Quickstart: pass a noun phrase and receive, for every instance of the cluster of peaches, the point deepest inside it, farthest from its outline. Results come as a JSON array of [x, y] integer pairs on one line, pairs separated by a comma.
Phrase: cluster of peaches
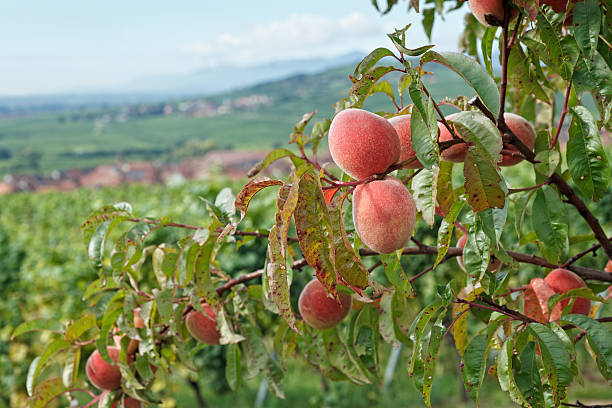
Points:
[[491, 12], [363, 144]]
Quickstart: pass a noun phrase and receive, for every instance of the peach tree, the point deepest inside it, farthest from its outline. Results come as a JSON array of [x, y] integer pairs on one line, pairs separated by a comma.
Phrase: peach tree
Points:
[[350, 223]]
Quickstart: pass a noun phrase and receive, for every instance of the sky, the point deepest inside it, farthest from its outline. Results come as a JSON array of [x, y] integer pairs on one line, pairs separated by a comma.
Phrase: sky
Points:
[[79, 46]]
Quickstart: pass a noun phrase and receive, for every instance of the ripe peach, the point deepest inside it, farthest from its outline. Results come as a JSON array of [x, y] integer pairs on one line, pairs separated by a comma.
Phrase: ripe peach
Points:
[[490, 12], [562, 280], [203, 327], [559, 6], [362, 143], [402, 127], [536, 297], [526, 134], [319, 310], [128, 402], [455, 153], [133, 344], [494, 263], [102, 374], [383, 214]]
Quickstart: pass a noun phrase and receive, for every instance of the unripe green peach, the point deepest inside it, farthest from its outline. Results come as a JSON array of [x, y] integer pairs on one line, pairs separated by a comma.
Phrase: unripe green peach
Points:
[[384, 214], [526, 134], [362, 143], [318, 309], [203, 327], [102, 374], [490, 12], [561, 280], [402, 127]]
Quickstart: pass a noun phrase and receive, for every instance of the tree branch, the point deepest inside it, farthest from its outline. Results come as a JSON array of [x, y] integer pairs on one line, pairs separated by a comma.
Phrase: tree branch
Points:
[[563, 113], [583, 272]]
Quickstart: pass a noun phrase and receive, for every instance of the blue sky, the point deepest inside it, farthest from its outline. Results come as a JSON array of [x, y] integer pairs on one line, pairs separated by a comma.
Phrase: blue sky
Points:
[[76, 45]]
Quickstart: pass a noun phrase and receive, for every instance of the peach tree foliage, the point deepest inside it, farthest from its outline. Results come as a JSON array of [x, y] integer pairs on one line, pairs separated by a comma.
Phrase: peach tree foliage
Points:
[[534, 362]]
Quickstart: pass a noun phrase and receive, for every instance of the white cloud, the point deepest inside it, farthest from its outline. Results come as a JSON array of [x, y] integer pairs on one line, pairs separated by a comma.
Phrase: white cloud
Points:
[[304, 35]]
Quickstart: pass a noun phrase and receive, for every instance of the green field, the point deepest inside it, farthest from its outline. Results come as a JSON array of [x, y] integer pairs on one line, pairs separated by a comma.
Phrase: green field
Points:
[[40, 144]]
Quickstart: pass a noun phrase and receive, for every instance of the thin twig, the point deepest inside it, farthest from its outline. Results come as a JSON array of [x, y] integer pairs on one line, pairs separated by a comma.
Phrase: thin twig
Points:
[[563, 113], [579, 255]]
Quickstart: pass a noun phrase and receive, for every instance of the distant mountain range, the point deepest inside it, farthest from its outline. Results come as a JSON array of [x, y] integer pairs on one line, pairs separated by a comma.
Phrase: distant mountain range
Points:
[[204, 82]]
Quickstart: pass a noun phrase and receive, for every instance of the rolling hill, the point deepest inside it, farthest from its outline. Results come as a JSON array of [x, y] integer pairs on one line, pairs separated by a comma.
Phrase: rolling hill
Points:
[[260, 116]]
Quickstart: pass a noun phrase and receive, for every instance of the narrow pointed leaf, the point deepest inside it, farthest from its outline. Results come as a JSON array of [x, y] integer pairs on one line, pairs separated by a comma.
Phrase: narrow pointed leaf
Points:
[[472, 72]]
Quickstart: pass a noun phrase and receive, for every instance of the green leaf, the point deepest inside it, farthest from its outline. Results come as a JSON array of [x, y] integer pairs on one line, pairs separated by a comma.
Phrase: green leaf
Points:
[[163, 302], [76, 329], [396, 275], [472, 72], [273, 156], [528, 378], [600, 73], [480, 132], [483, 184], [250, 189], [46, 391], [37, 325], [549, 220], [70, 375], [362, 87], [424, 185], [522, 76], [561, 51], [417, 329], [586, 158], [476, 252], [384, 87], [600, 340], [274, 377], [298, 129], [348, 264], [424, 130], [314, 230], [493, 221], [474, 364], [587, 22], [431, 357], [370, 60], [340, 358], [505, 372], [445, 232], [233, 366], [225, 202], [486, 46], [101, 215], [556, 359], [39, 363]]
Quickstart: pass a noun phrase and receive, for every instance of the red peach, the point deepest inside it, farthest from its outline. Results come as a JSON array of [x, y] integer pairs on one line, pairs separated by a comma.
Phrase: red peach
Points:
[[402, 126], [362, 143], [128, 402], [383, 214], [102, 374], [456, 153], [318, 309], [490, 12], [536, 297], [526, 134], [562, 280], [203, 327]]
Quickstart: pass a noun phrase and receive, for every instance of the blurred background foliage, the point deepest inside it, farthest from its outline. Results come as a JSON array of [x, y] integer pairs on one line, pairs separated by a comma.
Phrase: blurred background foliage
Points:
[[44, 271]]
